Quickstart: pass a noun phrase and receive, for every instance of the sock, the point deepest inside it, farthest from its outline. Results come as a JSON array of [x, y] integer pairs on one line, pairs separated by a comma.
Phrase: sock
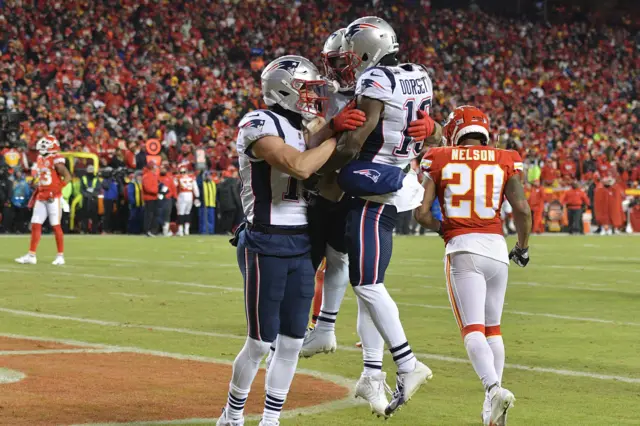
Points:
[[165, 228], [326, 321], [481, 357], [385, 316], [497, 348], [317, 297], [187, 225], [280, 375], [181, 229], [245, 367], [57, 230], [336, 280], [372, 341], [36, 232]]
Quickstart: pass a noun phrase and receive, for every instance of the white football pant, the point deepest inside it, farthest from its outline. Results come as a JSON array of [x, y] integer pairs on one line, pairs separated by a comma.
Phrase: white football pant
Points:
[[184, 204], [45, 209]]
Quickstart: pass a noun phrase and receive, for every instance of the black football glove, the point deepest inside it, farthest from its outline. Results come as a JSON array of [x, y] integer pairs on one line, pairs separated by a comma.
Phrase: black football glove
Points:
[[311, 184], [520, 256]]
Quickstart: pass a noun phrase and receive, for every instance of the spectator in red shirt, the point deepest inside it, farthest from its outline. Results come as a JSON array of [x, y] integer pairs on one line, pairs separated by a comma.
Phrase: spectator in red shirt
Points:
[[167, 180], [575, 200], [150, 187]]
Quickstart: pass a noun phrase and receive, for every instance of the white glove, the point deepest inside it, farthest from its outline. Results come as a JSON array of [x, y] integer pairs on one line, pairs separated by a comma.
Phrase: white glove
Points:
[[196, 202]]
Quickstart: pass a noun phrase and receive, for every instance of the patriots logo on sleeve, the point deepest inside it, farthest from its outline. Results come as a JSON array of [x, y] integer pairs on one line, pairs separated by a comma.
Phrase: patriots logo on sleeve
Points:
[[287, 65], [256, 123], [367, 82], [356, 28], [372, 174]]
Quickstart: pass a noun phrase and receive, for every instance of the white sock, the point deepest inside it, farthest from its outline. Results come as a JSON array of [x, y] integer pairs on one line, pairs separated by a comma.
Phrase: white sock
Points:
[[385, 316], [497, 348], [372, 341], [280, 375], [481, 358], [245, 367], [181, 229], [186, 228], [165, 228], [336, 280]]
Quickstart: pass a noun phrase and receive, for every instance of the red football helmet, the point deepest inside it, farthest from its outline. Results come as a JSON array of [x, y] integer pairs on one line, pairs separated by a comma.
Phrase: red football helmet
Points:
[[464, 120], [48, 145]]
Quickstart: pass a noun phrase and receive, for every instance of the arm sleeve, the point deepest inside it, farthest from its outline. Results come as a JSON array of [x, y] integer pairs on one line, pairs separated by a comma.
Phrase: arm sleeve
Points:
[[376, 83], [196, 189], [254, 126]]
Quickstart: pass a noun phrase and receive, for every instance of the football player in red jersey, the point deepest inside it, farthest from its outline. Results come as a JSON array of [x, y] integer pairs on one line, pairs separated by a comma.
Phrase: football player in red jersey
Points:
[[188, 194], [51, 176], [471, 180]]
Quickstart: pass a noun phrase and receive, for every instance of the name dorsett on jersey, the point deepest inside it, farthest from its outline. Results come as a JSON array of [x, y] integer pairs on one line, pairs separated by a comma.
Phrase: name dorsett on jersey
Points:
[[404, 89], [269, 197]]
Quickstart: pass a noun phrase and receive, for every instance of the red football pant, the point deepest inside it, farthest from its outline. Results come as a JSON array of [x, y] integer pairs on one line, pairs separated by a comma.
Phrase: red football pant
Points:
[[36, 232], [57, 231]]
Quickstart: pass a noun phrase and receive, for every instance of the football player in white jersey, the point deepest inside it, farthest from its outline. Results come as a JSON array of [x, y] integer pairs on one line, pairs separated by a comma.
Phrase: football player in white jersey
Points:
[[188, 194], [391, 95], [273, 247]]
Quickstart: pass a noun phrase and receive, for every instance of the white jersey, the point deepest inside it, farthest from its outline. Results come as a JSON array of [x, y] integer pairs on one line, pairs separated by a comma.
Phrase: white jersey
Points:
[[337, 101], [269, 197], [404, 89]]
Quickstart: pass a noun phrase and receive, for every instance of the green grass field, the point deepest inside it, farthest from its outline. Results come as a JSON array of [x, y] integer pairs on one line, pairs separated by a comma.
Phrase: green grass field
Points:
[[571, 323]]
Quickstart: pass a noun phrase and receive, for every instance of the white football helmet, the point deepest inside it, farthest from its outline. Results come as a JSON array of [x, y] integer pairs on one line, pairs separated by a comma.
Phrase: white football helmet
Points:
[[48, 145], [294, 83], [366, 41], [334, 60]]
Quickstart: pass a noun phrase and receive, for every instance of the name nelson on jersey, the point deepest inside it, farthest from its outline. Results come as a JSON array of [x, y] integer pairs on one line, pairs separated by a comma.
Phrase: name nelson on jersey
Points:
[[472, 154], [414, 86]]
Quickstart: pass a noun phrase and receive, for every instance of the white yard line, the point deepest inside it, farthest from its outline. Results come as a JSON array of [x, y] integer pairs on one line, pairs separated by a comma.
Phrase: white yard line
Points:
[[560, 372], [534, 314], [60, 296], [197, 293], [122, 278], [60, 351], [343, 403], [174, 262], [129, 295], [600, 287]]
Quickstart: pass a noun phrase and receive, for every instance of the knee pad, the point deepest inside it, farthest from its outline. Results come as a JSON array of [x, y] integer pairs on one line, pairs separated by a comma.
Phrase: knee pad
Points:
[[288, 348], [256, 349]]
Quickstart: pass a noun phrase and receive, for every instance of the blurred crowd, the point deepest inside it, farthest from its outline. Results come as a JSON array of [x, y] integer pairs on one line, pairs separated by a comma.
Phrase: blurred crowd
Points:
[[106, 76]]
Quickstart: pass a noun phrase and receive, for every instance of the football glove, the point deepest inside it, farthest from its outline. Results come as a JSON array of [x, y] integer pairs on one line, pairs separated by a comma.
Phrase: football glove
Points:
[[196, 203], [348, 119], [311, 183], [520, 256], [421, 128]]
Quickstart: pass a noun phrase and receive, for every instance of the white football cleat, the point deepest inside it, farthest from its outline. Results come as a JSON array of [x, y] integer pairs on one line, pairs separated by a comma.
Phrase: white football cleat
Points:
[[486, 410], [407, 384], [27, 259], [59, 260], [269, 423], [224, 420], [501, 401], [316, 342], [374, 389], [180, 233]]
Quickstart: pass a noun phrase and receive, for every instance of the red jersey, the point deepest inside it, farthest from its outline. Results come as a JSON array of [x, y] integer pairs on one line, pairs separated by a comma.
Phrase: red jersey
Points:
[[49, 182], [186, 183], [470, 182]]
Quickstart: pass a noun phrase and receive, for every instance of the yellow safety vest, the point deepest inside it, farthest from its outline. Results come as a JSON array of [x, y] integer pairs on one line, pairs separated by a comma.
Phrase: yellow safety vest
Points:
[[209, 189], [138, 192]]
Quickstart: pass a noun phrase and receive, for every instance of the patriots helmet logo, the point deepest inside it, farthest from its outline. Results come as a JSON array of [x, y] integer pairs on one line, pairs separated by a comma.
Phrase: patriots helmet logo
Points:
[[356, 28], [256, 123], [367, 82], [372, 174], [288, 65]]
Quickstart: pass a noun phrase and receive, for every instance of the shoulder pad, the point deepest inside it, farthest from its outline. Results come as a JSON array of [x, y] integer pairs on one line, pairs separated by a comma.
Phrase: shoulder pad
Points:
[[376, 83], [256, 125]]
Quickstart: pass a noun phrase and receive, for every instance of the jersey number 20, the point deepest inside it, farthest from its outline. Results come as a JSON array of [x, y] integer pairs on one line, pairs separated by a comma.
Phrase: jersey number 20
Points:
[[486, 192]]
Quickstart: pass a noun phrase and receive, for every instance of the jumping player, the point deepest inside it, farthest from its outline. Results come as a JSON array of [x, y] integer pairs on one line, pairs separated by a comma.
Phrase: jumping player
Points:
[[273, 246], [470, 179], [390, 94], [188, 194], [51, 176]]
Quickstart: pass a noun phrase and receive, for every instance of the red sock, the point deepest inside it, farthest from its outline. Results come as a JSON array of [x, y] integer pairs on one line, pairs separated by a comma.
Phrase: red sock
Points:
[[57, 230], [36, 231]]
